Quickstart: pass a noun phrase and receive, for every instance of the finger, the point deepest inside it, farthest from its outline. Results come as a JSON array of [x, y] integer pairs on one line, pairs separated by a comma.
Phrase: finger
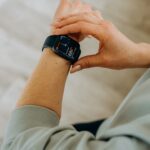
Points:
[[98, 14], [70, 15], [77, 3], [82, 27], [76, 7], [64, 2], [81, 9], [67, 16], [86, 62], [88, 17], [86, 8], [63, 5]]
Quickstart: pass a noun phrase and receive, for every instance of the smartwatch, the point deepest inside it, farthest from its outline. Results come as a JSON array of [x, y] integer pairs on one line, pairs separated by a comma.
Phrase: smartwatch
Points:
[[63, 46]]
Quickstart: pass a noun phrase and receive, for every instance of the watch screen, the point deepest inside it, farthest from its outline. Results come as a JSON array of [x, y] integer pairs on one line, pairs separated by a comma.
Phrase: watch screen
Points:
[[66, 46], [62, 44]]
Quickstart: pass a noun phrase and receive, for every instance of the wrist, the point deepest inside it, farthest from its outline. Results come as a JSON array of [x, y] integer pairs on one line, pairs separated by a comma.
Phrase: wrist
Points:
[[50, 55], [144, 54], [140, 56], [75, 37], [63, 46], [46, 85]]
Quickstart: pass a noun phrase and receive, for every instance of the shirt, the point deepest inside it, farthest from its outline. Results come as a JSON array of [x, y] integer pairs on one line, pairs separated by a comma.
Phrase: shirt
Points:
[[37, 128]]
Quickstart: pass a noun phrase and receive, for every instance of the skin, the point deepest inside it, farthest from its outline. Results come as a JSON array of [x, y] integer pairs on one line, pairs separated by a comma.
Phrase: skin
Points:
[[116, 51], [46, 85], [67, 7]]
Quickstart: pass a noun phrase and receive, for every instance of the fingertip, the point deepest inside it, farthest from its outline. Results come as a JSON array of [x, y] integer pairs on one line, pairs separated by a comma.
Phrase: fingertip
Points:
[[71, 71], [75, 69], [63, 17], [60, 18]]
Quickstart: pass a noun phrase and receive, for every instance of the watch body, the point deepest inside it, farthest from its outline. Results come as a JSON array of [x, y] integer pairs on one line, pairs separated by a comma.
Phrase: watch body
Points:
[[64, 46]]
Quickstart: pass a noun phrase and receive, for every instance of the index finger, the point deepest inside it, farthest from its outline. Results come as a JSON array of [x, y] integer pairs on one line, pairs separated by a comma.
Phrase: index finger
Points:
[[82, 27]]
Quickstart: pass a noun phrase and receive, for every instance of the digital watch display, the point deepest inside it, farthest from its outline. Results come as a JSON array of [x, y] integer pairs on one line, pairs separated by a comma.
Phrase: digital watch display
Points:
[[64, 46]]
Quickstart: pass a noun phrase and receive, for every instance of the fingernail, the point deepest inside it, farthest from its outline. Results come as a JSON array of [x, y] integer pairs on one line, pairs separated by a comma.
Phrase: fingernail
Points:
[[75, 69], [89, 36]]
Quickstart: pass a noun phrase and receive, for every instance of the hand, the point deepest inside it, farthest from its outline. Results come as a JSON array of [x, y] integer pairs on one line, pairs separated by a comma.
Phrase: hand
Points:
[[66, 7], [115, 51]]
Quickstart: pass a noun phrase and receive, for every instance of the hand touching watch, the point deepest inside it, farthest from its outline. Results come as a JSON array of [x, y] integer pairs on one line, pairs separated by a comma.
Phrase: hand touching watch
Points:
[[68, 7], [116, 51], [67, 46]]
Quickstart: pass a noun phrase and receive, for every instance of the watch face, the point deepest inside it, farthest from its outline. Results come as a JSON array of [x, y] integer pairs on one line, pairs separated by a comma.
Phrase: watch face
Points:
[[66, 46]]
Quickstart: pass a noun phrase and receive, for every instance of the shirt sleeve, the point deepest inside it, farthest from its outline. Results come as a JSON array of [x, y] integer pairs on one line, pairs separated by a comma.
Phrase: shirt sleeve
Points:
[[37, 128]]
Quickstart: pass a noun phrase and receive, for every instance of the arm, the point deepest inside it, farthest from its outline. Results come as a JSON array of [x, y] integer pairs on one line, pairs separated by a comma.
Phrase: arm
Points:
[[46, 85], [32, 127]]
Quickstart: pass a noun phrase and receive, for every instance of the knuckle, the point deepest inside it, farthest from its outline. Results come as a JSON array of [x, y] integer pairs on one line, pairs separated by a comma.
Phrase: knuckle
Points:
[[87, 14], [107, 24], [86, 64], [108, 29]]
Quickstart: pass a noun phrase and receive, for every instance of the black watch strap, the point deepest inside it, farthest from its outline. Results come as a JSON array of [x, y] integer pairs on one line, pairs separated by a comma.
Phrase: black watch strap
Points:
[[49, 42], [64, 46]]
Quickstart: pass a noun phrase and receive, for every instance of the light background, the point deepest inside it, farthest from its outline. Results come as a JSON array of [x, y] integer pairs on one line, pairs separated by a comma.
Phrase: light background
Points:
[[89, 95]]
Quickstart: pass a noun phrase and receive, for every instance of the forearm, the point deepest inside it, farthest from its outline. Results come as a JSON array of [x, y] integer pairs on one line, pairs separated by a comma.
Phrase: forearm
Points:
[[46, 85]]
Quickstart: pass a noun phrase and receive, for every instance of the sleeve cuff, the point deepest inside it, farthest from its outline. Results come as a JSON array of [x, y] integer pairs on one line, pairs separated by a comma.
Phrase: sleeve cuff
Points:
[[28, 117]]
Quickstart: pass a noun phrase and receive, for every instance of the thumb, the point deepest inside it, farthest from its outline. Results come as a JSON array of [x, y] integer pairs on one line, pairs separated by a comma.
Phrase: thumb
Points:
[[86, 62]]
